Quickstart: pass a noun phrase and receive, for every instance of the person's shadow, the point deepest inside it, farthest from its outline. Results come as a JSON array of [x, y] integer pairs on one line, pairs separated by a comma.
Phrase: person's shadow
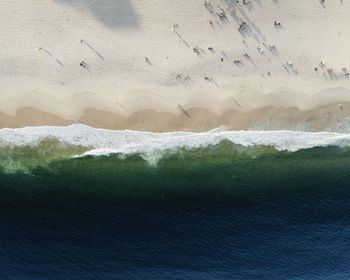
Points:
[[112, 13]]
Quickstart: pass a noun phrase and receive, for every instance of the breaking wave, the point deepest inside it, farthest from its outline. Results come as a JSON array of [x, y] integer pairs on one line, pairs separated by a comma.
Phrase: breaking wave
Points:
[[84, 163], [88, 141]]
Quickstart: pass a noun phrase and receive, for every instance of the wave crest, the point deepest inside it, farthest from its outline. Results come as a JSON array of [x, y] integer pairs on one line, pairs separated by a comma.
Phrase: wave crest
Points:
[[102, 142]]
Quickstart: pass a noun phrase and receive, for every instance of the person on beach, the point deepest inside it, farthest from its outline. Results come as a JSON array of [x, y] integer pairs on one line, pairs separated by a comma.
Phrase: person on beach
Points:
[[222, 16], [175, 26], [277, 24], [242, 27], [196, 50], [83, 64]]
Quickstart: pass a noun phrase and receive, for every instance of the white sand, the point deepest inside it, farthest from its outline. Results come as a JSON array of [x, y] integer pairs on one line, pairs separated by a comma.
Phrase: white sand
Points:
[[118, 34]]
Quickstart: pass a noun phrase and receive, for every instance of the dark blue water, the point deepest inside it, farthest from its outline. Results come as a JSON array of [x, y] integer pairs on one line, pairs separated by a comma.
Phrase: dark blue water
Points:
[[296, 238], [276, 216]]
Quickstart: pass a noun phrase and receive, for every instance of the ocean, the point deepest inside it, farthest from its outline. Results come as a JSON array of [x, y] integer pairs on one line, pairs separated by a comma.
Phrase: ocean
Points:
[[84, 203]]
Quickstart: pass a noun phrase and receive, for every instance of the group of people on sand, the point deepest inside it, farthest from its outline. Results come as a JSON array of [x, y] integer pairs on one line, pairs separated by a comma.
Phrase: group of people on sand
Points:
[[243, 27]]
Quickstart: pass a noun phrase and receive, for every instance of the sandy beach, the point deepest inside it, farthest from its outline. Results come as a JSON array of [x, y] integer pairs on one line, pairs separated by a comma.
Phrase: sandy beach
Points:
[[176, 65]]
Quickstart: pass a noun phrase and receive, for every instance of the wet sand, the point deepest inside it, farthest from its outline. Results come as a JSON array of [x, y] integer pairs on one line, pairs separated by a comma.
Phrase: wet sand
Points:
[[324, 118]]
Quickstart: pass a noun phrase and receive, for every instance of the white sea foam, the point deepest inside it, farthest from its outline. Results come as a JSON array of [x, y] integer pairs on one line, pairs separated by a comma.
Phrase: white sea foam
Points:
[[105, 142]]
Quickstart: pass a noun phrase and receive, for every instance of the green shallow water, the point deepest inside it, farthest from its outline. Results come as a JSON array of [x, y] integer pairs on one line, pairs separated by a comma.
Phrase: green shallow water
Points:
[[50, 171]]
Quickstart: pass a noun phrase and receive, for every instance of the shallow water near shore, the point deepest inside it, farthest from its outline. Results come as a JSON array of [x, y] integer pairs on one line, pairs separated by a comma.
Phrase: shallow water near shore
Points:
[[219, 210]]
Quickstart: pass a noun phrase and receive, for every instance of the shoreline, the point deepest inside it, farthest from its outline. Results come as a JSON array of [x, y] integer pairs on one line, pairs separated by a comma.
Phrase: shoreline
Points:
[[194, 119]]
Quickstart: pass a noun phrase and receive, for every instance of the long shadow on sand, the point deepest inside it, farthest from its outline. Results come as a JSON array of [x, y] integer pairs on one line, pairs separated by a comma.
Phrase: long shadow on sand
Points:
[[112, 13]]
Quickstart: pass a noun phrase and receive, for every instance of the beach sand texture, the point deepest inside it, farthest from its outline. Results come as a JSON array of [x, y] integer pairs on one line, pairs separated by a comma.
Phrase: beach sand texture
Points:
[[162, 65]]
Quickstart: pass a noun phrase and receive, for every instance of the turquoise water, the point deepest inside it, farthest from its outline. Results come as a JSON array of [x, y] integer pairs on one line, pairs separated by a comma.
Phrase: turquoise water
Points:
[[222, 210]]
